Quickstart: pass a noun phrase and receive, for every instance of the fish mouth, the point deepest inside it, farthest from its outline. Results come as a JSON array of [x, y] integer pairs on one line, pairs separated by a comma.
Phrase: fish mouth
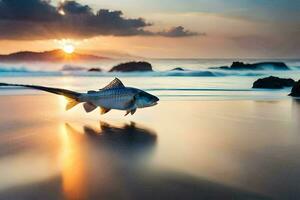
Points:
[[154, 103], [150, 105]]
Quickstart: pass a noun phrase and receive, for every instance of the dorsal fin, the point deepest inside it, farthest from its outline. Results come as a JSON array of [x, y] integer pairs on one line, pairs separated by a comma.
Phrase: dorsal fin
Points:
[[116, 83]]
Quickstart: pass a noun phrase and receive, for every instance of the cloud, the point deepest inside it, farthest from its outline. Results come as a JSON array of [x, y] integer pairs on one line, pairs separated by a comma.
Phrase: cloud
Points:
[[29, 10], [38, 19], [72, 7], [178, 31]]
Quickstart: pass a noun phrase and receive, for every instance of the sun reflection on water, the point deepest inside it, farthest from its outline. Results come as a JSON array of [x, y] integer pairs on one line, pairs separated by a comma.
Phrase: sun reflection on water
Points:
[[73, 173]]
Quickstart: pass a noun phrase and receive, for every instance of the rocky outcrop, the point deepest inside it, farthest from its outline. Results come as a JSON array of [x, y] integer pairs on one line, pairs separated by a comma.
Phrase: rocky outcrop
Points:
[[132, 67], [255, 66], [95, 70], [295, 90], [273, 82], [178, 69]]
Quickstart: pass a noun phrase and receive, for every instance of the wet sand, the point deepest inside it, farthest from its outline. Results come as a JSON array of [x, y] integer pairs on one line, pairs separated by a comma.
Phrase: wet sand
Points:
[[176, 150]]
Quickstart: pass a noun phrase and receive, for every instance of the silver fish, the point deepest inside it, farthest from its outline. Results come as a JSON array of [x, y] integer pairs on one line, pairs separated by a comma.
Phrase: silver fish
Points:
[[113, 96]]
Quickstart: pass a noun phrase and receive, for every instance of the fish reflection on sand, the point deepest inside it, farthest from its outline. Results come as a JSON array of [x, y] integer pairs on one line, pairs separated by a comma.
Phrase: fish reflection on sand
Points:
[[127, 137], [93, 157]]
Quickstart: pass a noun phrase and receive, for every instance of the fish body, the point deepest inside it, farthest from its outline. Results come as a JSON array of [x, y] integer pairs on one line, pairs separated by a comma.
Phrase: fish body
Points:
[[114, 96]]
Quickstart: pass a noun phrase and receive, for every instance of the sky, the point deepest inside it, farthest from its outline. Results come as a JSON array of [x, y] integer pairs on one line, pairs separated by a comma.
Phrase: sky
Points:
[[154, 29]]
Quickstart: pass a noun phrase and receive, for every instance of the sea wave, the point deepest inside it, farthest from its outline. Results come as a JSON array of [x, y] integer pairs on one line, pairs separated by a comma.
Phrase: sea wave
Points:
[[198, 73], [191, 73], [13, 69], [22, 71]]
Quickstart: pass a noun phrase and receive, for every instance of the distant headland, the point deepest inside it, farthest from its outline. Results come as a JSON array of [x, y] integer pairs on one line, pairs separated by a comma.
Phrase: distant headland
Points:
[[56, 55]]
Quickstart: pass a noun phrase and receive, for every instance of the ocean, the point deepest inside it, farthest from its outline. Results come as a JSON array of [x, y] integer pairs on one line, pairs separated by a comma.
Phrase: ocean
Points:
[[197, 82]]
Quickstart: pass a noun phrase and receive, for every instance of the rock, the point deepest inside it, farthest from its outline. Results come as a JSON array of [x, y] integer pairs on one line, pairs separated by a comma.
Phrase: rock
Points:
[[132, 67], [222, 67], [95, 70], [178, 69], [273, 82], [295, 90], [255, 66]]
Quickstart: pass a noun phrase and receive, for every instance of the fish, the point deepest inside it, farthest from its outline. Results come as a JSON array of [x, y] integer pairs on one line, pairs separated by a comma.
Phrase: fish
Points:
[[114, 96]]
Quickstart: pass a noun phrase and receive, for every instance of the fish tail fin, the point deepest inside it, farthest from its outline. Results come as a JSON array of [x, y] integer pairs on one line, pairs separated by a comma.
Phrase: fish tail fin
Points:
[[71, 103], [67, 93]]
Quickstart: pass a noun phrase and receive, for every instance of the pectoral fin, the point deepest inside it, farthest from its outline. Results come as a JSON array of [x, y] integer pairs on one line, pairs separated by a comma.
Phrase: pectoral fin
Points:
[[133, 111], [104, 110], [130, 111], [129, 104], [127, 112], [89, 107]]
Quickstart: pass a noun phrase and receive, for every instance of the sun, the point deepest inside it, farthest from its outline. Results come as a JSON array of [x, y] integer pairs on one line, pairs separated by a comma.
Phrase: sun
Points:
[[68, 48]]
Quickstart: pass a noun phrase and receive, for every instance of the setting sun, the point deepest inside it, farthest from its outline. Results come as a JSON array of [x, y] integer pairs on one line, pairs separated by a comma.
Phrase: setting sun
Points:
[[68, 48]]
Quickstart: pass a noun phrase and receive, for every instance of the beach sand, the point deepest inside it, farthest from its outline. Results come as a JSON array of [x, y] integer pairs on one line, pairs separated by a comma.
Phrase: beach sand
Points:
[[176, 150]]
